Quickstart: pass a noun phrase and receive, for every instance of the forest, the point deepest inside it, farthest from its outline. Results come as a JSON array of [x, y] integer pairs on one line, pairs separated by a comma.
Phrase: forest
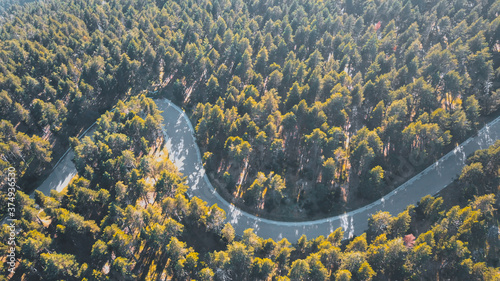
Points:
[[302, 109], [126, 216]]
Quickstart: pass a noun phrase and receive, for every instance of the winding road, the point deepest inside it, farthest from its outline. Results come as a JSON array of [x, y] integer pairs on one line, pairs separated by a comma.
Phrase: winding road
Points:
[[185, 154]]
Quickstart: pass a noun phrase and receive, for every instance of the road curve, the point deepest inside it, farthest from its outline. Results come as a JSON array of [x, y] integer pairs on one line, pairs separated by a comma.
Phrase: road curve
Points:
[[185, 154]]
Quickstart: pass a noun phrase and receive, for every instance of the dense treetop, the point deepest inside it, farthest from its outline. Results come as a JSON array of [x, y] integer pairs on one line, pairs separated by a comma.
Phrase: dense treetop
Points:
[[298, 105], [125, 216], [333, 91]]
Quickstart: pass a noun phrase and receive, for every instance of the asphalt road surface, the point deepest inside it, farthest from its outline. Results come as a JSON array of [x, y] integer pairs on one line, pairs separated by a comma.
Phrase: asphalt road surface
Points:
[[185, 154], [64, 170]]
